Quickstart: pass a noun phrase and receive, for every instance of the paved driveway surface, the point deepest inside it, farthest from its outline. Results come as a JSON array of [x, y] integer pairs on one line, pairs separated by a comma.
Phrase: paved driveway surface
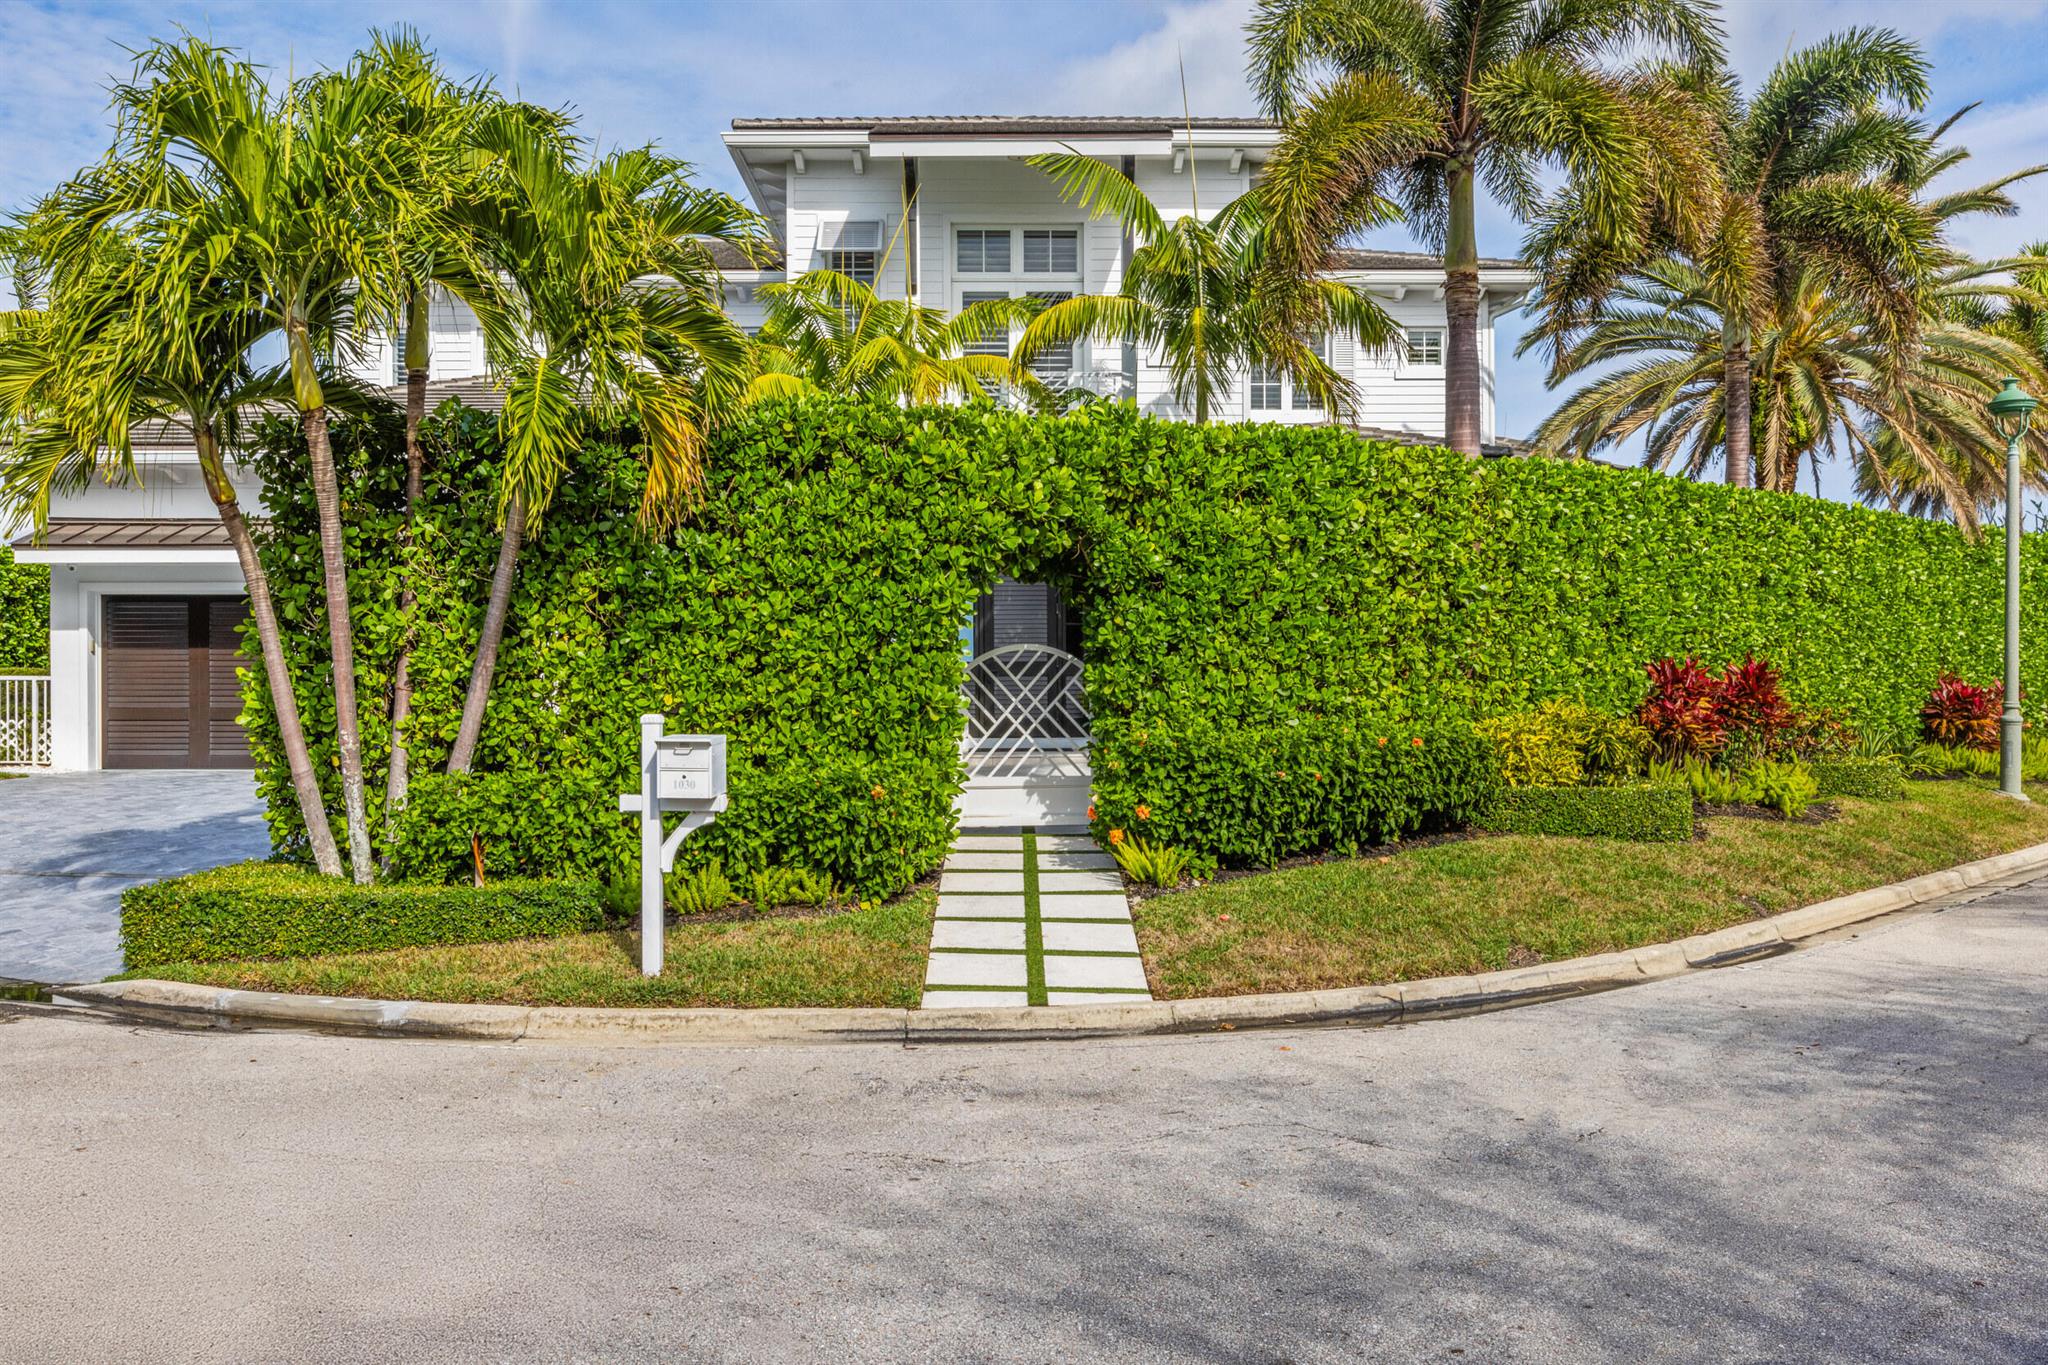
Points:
[[1840, 1155], [70, 843]]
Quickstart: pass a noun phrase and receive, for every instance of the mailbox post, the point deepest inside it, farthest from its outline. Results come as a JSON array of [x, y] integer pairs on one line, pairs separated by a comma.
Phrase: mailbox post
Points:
[[683, 773]]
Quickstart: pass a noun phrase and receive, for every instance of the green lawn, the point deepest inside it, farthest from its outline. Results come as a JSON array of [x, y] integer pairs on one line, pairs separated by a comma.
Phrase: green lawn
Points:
[[1466, 906], [1448, 909], [860, 957]]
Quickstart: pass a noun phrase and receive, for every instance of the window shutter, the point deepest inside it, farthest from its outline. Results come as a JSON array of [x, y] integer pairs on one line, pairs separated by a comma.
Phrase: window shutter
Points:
[[1053, 366], [1052, 251], [996, 341], [861, 234]]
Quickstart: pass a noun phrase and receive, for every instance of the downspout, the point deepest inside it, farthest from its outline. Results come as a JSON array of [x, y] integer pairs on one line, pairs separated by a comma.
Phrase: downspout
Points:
[[1129, 357], [911, 230]]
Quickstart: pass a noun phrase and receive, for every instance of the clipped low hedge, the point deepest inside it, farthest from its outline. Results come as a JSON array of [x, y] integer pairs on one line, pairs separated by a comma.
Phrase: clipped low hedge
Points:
[[1252, 797], [1878, 779], [1644, 813], [259, 909]]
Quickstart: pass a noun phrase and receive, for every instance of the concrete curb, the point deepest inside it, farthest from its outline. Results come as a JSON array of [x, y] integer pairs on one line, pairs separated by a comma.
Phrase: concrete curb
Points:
[[179, 1004]]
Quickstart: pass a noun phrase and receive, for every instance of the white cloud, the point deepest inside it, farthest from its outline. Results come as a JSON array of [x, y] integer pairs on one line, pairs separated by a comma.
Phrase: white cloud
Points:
[[1761, 32], [1143, 75]]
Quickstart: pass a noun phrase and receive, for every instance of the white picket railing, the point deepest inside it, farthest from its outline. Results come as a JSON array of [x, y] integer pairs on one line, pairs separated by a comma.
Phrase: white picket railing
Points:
[[24, 720]]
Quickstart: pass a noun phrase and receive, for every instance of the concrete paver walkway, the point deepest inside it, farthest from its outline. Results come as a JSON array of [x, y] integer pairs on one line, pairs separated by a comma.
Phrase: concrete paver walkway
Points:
[[71, 843], [1032, 919]]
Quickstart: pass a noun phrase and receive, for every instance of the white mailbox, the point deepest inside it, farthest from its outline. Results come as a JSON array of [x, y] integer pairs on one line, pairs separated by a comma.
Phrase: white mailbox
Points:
[[689, 771], [678, 773]]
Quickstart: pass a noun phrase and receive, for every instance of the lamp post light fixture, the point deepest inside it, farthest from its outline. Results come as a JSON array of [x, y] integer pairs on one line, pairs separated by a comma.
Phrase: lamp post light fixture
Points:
[[2012, 412]]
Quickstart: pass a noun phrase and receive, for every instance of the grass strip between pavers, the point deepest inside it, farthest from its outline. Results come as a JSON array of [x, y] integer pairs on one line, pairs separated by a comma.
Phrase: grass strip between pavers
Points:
[[1034, 936]]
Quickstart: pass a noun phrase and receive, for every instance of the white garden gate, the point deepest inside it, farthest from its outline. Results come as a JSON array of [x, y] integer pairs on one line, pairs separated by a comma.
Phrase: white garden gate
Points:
[[1026, 740]]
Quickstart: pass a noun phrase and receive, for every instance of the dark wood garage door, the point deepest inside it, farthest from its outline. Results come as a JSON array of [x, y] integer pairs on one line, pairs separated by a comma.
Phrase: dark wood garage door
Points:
[[169, 683]]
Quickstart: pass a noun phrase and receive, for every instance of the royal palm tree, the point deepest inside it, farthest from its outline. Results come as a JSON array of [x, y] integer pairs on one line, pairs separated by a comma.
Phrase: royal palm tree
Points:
[[1192, 294], [111, 351], [300, 201], [1427, 99], [1809, 181], [601, 306], [828, 332]]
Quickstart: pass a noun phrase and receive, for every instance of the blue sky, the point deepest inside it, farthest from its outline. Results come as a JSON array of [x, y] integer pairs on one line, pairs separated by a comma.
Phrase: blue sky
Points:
[[676, 73]]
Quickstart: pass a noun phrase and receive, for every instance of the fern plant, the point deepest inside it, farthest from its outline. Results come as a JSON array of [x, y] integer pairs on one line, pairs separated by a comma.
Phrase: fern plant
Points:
[[773, 886], [701, 891], [1785, 787], [1150, 864]]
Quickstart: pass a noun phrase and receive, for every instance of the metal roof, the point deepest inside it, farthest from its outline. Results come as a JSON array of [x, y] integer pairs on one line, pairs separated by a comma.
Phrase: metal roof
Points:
[[141, 533], [1000, 125], [1355, 258]]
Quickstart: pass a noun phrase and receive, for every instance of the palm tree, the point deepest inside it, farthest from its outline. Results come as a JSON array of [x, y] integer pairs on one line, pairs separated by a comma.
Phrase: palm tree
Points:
[[1829, 363], [601, 306], [113, 350], [828, 332], [436, 140], [1192, 293], [1428, 98], [301, 203], [1808, 181], [1828, 381]]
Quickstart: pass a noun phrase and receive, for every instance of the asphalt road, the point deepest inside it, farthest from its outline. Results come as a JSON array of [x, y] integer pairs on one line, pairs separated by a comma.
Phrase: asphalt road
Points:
[[1840, 1155]]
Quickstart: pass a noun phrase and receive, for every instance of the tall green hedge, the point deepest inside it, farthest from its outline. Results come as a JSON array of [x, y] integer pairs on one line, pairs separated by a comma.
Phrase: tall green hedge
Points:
[[24, 616], [1267, 596]]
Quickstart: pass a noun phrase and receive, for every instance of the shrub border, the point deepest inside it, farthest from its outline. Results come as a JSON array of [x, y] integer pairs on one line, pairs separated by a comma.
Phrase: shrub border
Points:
[[183, 1005]]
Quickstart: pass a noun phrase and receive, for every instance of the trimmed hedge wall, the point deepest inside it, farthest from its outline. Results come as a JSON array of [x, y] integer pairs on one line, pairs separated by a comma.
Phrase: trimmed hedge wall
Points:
[[269, 910], [1647, 813], [1878, 779], [1258, 600], [24, 616]]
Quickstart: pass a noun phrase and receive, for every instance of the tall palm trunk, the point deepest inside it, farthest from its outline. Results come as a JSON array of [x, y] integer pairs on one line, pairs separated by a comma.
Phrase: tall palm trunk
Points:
[[334, 560], [493, 632], [1463, 393], [399, 778], [283, 699], [1735, 371]]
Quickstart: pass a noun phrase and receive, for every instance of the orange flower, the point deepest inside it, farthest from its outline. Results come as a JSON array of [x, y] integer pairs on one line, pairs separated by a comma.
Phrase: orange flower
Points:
[[1143, 812], [1116, 836], [877, 793], [1417, 741], [1091, 810], [1383, 741]]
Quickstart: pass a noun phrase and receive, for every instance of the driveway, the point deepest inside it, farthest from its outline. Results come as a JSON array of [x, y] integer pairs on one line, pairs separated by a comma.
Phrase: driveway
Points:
[[70, 843], [1838, 1155]]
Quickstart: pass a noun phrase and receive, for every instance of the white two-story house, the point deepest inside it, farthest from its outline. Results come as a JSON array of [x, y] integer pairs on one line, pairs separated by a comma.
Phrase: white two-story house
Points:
[[145, 591]]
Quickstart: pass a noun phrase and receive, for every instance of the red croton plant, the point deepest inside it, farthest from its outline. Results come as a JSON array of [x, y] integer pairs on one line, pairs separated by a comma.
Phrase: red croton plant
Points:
[[1693, 712], [1962, 715]]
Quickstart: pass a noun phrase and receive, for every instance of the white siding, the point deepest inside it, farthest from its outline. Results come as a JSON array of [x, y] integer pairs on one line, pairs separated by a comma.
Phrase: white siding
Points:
[[830, 193]]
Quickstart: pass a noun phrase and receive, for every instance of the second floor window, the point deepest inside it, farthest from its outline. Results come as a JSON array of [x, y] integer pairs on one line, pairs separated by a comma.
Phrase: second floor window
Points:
[[1055, 365], [982, 251], [1425, 345], [995, 341], [1052, 251], [1271, 389], [857, 265]]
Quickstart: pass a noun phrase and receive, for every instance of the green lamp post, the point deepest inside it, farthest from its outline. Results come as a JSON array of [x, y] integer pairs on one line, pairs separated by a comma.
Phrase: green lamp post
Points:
[[2012, 411]]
